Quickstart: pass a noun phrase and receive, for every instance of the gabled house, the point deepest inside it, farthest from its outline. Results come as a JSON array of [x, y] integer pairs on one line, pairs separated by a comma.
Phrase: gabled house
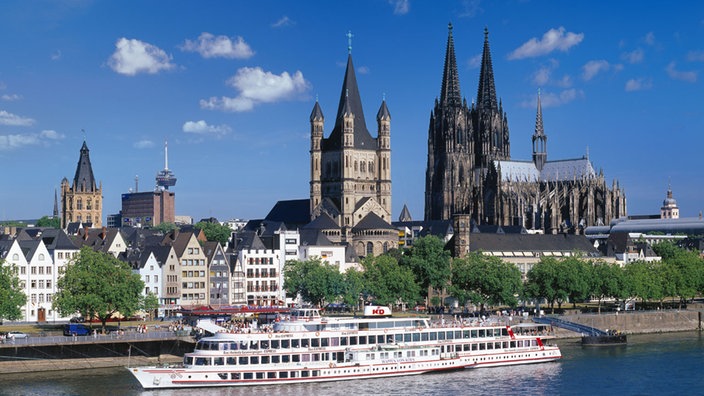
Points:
[[218, 274], [106, 240], [193, 267]]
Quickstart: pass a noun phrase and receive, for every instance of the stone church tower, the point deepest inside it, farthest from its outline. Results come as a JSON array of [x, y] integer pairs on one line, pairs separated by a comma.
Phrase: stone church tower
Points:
[[351, 171], [470, 170], [82, 200]]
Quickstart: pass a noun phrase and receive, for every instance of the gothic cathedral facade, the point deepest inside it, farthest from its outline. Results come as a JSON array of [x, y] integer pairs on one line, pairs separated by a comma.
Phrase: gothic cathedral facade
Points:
[[81, 201], [470, 170]]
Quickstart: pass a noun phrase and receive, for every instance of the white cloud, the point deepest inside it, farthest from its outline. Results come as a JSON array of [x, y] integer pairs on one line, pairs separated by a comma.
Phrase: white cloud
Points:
[[202, 128], [639, 84], [553, 39], [471, 8], [592, 68], [695, 56], [635, 56], [14, 120], [401, 7], [56, 55], [143, 144], [551, 99], [10, 97], [688, 76], [133, 56], [649, 38], [17, 141], [51, 134], [283, 22], [363, 70], [258, 86], [542, 76], [211, 46]]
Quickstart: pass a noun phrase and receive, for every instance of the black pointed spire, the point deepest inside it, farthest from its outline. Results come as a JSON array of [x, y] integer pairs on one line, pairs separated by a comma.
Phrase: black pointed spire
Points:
[[351, 102], [317, 113], [450, 91], [56, 205], [84, 181], [486, 93], [540, 141]]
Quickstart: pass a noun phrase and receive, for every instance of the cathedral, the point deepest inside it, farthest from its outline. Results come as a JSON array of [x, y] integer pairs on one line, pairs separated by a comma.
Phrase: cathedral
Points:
[[470, 170], [81, 200], [350, 184]]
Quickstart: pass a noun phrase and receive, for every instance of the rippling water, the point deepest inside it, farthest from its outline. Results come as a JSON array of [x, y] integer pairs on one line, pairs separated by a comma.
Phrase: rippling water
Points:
[[659, 364]]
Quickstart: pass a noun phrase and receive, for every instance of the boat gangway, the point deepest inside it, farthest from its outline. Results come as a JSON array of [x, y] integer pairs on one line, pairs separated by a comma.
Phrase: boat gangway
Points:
[[571, 326]]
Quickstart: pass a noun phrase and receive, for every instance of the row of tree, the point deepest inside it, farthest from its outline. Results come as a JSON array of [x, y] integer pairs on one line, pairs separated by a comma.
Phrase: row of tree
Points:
[[407, 276]]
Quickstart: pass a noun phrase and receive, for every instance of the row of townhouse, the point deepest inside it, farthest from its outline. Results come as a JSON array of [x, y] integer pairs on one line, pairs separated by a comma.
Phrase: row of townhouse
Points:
[[182, 268]]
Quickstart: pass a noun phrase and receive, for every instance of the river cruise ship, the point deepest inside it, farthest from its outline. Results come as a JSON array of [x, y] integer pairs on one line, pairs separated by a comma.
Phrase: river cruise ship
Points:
[[304, 346]]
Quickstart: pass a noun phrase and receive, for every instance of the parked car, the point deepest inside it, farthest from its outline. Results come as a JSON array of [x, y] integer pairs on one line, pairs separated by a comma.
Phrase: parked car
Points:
[[77, 319], [16, 334]]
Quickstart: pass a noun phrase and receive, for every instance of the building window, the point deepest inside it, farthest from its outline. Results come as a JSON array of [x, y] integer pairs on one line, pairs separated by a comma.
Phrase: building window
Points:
[[15, 257], [79, 204], [370, 249]]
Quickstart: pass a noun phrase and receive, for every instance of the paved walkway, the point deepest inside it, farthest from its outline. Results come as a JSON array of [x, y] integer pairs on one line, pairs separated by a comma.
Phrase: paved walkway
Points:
[[27, 366]]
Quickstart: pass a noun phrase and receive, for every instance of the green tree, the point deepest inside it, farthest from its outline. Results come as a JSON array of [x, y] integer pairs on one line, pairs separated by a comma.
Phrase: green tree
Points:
[[577, 280], [165, 227], [644, 280], [46, 221], [315, 281], [388, 282], [215, 231], [150, 304], [11, 295], [486, 280], [429, 262], [98, 286], [353, 287], [542, 282], [607, 281]]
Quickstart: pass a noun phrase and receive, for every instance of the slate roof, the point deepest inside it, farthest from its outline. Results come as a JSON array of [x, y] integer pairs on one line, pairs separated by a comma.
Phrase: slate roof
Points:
[[559, 170], [322, 222], [405, 215], [247, 240], [372, 222], [84, 180], [29, 248], [294, 213], [56, 239], [350, 101], [314, 237], [531, 243]]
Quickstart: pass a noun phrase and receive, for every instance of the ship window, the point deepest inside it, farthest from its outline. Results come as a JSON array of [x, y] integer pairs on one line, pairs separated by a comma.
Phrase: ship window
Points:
[[295, 358], [285, 358], [482, 333], [293, 374], [466, 334], [265, 359], [353, 340], [424, 337], [200, 361], [305, 357], [450, 335], [219, 361], [474, 334], [305, 342], [235, 376], [343, 341], [362, 340], [407, 337], [433, 336], [305, 373], [466, 347], [244, 360], [271, 374], [275, 344], [254, 360], [260, 375], [275, 359], [187, 360], [295, 343], [231, 361], [416, 337], [398, 338], [285, 343], [314, 342], [441, 335], [248, 376], [283, 374], [474, 347]]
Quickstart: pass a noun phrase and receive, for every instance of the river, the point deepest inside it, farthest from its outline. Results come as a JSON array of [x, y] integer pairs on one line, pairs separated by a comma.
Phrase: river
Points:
[[654, 364]]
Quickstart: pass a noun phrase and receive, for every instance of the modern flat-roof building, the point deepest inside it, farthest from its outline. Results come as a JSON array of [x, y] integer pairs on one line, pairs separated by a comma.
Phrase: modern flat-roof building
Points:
[[148, 209]]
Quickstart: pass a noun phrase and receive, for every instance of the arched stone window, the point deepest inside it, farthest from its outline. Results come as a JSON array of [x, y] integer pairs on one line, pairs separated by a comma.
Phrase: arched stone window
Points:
[[370, 249]]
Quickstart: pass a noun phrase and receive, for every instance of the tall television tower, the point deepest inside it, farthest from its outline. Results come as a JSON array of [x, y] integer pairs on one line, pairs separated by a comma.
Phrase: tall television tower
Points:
[[165, 178]]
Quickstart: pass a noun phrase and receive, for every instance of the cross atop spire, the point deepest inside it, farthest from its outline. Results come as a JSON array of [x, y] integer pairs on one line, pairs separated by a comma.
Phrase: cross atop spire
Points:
[[349, 41]]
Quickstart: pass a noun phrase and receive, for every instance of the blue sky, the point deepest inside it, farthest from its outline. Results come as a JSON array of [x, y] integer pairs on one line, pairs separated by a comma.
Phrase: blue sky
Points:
[[231, 84]]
